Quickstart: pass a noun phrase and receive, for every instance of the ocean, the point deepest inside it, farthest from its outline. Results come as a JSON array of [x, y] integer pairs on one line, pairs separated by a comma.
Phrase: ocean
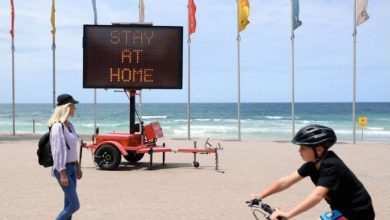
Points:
[[215, 120]]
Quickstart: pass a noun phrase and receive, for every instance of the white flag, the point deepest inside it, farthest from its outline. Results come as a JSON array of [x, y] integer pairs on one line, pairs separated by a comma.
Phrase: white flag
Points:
[[361, 12]]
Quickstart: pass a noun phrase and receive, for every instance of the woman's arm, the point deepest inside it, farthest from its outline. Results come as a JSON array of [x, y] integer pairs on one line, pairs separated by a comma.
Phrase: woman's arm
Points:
[[59, 152], [281, 184]]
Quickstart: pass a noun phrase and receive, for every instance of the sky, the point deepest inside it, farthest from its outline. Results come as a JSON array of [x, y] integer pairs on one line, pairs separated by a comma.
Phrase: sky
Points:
[[323, 51]]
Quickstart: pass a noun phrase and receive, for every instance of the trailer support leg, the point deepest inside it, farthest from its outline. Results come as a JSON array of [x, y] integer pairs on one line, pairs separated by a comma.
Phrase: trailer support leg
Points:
[[195, 157], [195, 163], [163, 155], [151, 158], [216, 159]]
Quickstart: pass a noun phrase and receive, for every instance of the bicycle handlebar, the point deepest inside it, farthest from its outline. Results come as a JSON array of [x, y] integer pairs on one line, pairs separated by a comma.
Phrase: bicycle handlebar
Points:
[[264, 206]]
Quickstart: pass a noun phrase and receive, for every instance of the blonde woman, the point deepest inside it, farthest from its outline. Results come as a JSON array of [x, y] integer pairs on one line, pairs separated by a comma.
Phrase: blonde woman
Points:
[[63, 141]]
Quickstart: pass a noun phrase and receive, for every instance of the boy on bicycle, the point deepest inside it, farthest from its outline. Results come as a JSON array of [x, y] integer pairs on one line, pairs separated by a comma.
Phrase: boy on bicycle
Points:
[[333, 180]]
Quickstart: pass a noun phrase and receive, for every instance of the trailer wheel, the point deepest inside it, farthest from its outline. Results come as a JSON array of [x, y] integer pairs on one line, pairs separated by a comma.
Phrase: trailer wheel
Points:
[[196, 164], [107, 157], [133, 157]]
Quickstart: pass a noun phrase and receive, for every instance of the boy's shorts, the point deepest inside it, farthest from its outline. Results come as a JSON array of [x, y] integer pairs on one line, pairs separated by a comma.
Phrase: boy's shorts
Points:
[[333, 215]]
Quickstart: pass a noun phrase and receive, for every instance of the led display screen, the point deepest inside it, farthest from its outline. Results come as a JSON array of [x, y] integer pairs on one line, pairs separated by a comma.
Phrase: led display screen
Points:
[[132, 57]]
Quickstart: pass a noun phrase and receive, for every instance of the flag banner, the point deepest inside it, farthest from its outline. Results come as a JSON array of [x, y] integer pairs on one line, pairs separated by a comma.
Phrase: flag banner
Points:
[[243, 14], [141, 11], [361, 12], [191, 16], [296, 21], [53, 19], [94, 11], [12, 19]]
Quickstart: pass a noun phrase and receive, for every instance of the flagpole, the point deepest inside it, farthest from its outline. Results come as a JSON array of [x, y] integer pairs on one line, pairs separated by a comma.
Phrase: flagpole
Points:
[[141, 11], [238, 73], [292, 71], [141, 19], [354, 77], [13, 87], [12, 32], [53, 47], [189, 90], [189, 79], [94, 90], [94, 109]]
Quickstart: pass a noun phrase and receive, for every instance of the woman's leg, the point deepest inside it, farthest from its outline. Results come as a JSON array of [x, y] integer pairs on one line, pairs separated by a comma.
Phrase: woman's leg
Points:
[[71, 204]]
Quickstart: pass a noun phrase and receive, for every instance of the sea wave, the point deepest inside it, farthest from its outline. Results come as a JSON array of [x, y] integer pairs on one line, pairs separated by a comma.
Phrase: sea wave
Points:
[[203, 119], [218, 120], [113, 125], [365, 131], [266, 130], [375, 128], [275, 117], [383, 119], [207, 128], [229, 129], [179, 120], [308, 122], [154, 117]]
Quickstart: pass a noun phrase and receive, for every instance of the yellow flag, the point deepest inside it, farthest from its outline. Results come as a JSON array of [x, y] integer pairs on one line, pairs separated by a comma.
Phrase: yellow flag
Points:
[[53, 19], [243, 14]]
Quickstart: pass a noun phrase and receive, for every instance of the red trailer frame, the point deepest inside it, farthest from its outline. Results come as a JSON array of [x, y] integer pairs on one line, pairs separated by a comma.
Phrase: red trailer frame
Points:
[[107, 149]]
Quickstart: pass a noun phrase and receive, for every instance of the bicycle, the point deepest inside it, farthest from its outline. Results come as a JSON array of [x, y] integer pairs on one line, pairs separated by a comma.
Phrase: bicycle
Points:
[[259, 206]]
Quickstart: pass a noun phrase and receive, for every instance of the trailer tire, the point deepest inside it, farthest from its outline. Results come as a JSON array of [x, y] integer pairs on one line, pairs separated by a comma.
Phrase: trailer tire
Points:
[[133, 157], [196, 164], [107, 157]]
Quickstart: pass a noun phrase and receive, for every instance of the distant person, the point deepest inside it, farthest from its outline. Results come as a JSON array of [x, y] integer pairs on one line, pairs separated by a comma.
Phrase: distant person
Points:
[[333, 180], [63, 140]]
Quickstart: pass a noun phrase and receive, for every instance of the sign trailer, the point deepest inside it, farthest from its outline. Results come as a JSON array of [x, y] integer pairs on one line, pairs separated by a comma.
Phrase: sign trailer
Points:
[[134, 57]]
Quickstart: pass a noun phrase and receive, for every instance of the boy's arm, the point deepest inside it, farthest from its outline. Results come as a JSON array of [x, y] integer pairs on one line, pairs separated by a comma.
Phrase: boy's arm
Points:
[[281, 184], [309, 202]]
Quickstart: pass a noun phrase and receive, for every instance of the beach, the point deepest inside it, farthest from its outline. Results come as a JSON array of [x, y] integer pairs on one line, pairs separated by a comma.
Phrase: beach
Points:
[[178, 190]]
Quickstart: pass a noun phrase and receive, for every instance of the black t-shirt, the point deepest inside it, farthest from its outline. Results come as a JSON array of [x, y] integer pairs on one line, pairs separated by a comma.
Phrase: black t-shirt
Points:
[[346, 193]]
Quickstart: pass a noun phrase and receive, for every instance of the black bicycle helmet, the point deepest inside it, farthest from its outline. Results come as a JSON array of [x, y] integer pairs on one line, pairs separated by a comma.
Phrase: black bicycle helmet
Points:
[[315, 135]]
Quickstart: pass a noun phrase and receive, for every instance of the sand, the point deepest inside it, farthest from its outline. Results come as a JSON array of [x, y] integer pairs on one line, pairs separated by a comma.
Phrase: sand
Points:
[[178, 190]]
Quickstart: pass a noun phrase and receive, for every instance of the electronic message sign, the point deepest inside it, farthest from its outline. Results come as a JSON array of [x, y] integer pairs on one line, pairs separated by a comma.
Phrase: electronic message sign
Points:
[[132, 57]]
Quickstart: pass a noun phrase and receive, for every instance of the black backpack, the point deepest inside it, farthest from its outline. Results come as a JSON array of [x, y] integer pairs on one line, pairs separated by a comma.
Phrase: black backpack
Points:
[[45, 158]]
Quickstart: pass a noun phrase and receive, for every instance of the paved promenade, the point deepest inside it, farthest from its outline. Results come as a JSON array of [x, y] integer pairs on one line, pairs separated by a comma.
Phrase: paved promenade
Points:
[[178, 190]]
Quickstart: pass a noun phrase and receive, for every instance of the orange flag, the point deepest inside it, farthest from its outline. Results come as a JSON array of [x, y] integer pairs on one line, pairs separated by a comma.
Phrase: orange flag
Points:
[[12, 19], [243, 14], [191, 16]]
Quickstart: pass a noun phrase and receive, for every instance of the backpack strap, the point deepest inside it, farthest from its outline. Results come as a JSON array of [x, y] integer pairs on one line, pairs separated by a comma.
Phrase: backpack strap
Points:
[[63, 130]]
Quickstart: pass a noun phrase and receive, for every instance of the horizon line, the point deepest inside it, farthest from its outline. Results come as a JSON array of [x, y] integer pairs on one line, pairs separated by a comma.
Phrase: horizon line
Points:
[[304, 102]]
